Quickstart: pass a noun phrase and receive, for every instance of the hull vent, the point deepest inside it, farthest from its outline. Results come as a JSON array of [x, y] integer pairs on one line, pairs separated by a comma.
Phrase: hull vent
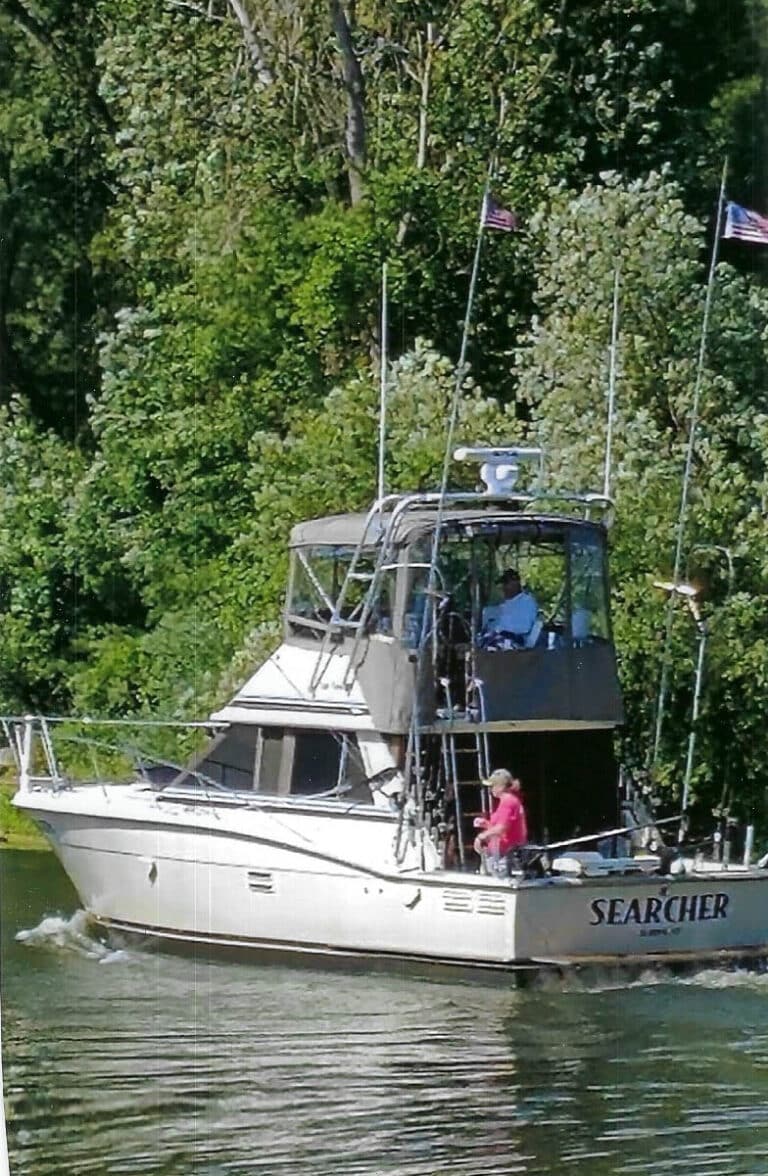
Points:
[[458, 901], [261, 881], [490, 904]]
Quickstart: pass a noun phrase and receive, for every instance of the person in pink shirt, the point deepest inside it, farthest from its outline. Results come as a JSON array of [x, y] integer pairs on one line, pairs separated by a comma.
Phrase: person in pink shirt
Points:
[[506, 828]]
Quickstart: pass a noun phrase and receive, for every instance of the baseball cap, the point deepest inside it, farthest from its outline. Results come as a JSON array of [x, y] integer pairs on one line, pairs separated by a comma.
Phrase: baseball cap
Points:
[[499, 776], [509, 574]]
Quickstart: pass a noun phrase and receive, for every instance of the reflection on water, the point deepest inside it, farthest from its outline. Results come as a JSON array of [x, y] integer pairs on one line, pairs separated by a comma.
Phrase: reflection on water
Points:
[[172, 1065]]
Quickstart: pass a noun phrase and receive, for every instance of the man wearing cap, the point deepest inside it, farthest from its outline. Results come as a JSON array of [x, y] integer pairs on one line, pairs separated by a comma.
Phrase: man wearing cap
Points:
[[514, 617], [506, 828]]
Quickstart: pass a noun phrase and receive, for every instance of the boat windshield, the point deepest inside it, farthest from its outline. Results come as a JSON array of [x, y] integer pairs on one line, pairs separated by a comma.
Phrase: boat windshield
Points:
[[320, 584]]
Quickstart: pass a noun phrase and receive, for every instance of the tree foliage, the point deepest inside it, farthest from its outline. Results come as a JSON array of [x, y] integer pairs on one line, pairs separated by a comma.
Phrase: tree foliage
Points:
[[642, 232], [196, 202]]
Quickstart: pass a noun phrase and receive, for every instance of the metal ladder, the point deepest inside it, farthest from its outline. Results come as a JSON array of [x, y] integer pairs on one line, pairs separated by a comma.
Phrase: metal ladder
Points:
[[451, 751]]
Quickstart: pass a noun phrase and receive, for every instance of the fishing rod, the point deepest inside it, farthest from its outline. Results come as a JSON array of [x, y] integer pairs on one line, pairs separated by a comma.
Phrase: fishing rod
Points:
[[609, 833]]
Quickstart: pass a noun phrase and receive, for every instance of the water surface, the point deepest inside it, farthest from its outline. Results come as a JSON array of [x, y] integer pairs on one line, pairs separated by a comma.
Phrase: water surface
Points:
[[123, 1061]]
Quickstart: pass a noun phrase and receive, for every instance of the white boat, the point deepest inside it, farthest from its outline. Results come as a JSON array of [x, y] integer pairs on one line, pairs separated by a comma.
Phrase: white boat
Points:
[[331, 811]]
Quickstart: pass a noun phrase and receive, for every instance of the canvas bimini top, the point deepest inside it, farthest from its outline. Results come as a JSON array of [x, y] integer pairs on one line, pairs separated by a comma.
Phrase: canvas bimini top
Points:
[[369, 529]]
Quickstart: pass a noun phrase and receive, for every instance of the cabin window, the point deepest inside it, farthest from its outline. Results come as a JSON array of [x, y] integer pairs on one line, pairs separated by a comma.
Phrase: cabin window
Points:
[[227, 762], [313, 592], [542, 565], [468, 580], [326, 763], [382, 611], [561, 567], [418, 578]]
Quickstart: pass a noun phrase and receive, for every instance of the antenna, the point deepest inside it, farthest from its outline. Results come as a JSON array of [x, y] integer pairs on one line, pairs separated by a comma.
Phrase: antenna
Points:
[[383, 379], [692, 428], [611, 386]]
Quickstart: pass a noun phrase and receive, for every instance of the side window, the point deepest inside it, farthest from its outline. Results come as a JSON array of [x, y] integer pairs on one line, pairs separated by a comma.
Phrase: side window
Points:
[[381, 619], [281, 762], [326, 763], [227, 761], [316, 760], [418, 579]]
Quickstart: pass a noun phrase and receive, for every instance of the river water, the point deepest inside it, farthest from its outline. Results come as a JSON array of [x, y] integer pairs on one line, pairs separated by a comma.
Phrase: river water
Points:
[[123, 1061]]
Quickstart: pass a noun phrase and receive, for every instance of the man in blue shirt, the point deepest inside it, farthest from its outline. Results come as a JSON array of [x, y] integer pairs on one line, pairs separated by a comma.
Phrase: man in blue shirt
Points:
[[515, 615]]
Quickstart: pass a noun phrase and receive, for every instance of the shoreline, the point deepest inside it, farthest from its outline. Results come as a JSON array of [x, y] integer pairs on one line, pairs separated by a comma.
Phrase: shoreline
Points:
[[16, 830], [23, 841]]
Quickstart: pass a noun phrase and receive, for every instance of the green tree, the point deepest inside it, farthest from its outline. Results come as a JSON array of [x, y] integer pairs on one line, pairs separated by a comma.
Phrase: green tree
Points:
[[643, 229], [42, 605], [53, 194]]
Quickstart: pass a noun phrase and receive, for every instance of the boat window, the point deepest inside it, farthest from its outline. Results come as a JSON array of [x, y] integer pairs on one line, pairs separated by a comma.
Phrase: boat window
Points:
[[315, 580], [319, 574], [227, 762], [589, 596], [381, 619], [469, 577], [561, 566], [326, 762]]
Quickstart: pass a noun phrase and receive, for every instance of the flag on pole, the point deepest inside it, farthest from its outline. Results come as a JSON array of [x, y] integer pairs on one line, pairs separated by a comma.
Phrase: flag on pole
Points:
[[744, 225], [495, 217]]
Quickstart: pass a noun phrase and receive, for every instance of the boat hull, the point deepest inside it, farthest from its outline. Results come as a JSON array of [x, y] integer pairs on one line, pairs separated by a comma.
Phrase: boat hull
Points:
[[328, 883]]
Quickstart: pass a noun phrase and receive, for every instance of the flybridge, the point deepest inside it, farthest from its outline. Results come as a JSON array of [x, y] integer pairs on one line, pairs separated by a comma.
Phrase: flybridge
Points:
[[407, 592]]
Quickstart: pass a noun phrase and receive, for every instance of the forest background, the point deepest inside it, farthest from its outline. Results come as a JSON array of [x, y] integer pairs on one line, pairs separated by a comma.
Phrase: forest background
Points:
[[196, 199]]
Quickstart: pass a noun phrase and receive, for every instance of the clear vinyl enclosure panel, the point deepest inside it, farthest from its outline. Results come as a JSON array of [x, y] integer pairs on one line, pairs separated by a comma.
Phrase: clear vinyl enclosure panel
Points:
[[318, 575], [562, 572], [561, 564]]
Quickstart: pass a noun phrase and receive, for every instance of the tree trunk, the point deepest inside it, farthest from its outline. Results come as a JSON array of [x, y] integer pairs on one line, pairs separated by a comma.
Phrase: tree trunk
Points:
[[260, 67], [355, 89]]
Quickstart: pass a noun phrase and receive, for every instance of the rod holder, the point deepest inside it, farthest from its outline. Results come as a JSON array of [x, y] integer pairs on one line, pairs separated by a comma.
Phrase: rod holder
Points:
[[749, 845]]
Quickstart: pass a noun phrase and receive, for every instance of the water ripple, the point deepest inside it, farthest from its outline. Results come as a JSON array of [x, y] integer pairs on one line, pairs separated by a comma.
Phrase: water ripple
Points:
[[161, 1064]]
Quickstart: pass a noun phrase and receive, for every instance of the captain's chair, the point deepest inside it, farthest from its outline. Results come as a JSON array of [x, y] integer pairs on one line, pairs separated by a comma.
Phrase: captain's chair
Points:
[[534, 633], [493, 638]]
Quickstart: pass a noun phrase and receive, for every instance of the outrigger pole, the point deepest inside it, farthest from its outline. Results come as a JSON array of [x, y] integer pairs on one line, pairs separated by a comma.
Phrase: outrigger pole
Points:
[[611, 385], [460, 372], [461, 366], [383, 379], [663, 683], [413, 752]]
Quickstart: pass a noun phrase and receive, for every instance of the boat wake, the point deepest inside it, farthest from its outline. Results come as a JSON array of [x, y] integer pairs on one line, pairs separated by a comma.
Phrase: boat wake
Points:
[[752, 975], [75, 936]]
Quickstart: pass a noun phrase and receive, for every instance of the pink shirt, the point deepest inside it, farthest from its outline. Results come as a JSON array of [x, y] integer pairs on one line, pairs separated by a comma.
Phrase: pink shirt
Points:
[[510, 813]]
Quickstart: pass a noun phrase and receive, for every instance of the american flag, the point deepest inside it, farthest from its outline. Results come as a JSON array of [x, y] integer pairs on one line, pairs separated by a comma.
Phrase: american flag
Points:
[[495, 217], [744, 225]]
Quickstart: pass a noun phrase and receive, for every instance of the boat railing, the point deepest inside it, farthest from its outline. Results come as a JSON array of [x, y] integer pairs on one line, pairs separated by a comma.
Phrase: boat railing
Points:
[[394, 507], [41, 763]]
